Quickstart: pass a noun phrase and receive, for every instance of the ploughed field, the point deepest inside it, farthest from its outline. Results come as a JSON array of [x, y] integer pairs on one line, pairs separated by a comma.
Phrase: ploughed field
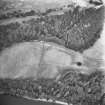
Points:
[[42, 53]]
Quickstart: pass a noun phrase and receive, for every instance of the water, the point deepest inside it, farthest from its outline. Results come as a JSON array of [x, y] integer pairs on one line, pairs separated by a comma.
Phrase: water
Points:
[[10, 100]]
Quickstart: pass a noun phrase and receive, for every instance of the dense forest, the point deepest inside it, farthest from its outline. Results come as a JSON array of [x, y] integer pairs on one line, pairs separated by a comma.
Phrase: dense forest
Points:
[[74, 30]]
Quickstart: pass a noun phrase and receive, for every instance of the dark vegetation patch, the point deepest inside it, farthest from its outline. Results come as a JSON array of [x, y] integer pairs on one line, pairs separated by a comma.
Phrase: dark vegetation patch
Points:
[[17, 9], [75, 30], [72, 88]]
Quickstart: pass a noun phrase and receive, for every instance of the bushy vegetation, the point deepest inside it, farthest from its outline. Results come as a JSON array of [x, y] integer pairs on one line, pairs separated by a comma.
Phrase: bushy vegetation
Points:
[[17, 14], [71, 88], [74, 30]]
